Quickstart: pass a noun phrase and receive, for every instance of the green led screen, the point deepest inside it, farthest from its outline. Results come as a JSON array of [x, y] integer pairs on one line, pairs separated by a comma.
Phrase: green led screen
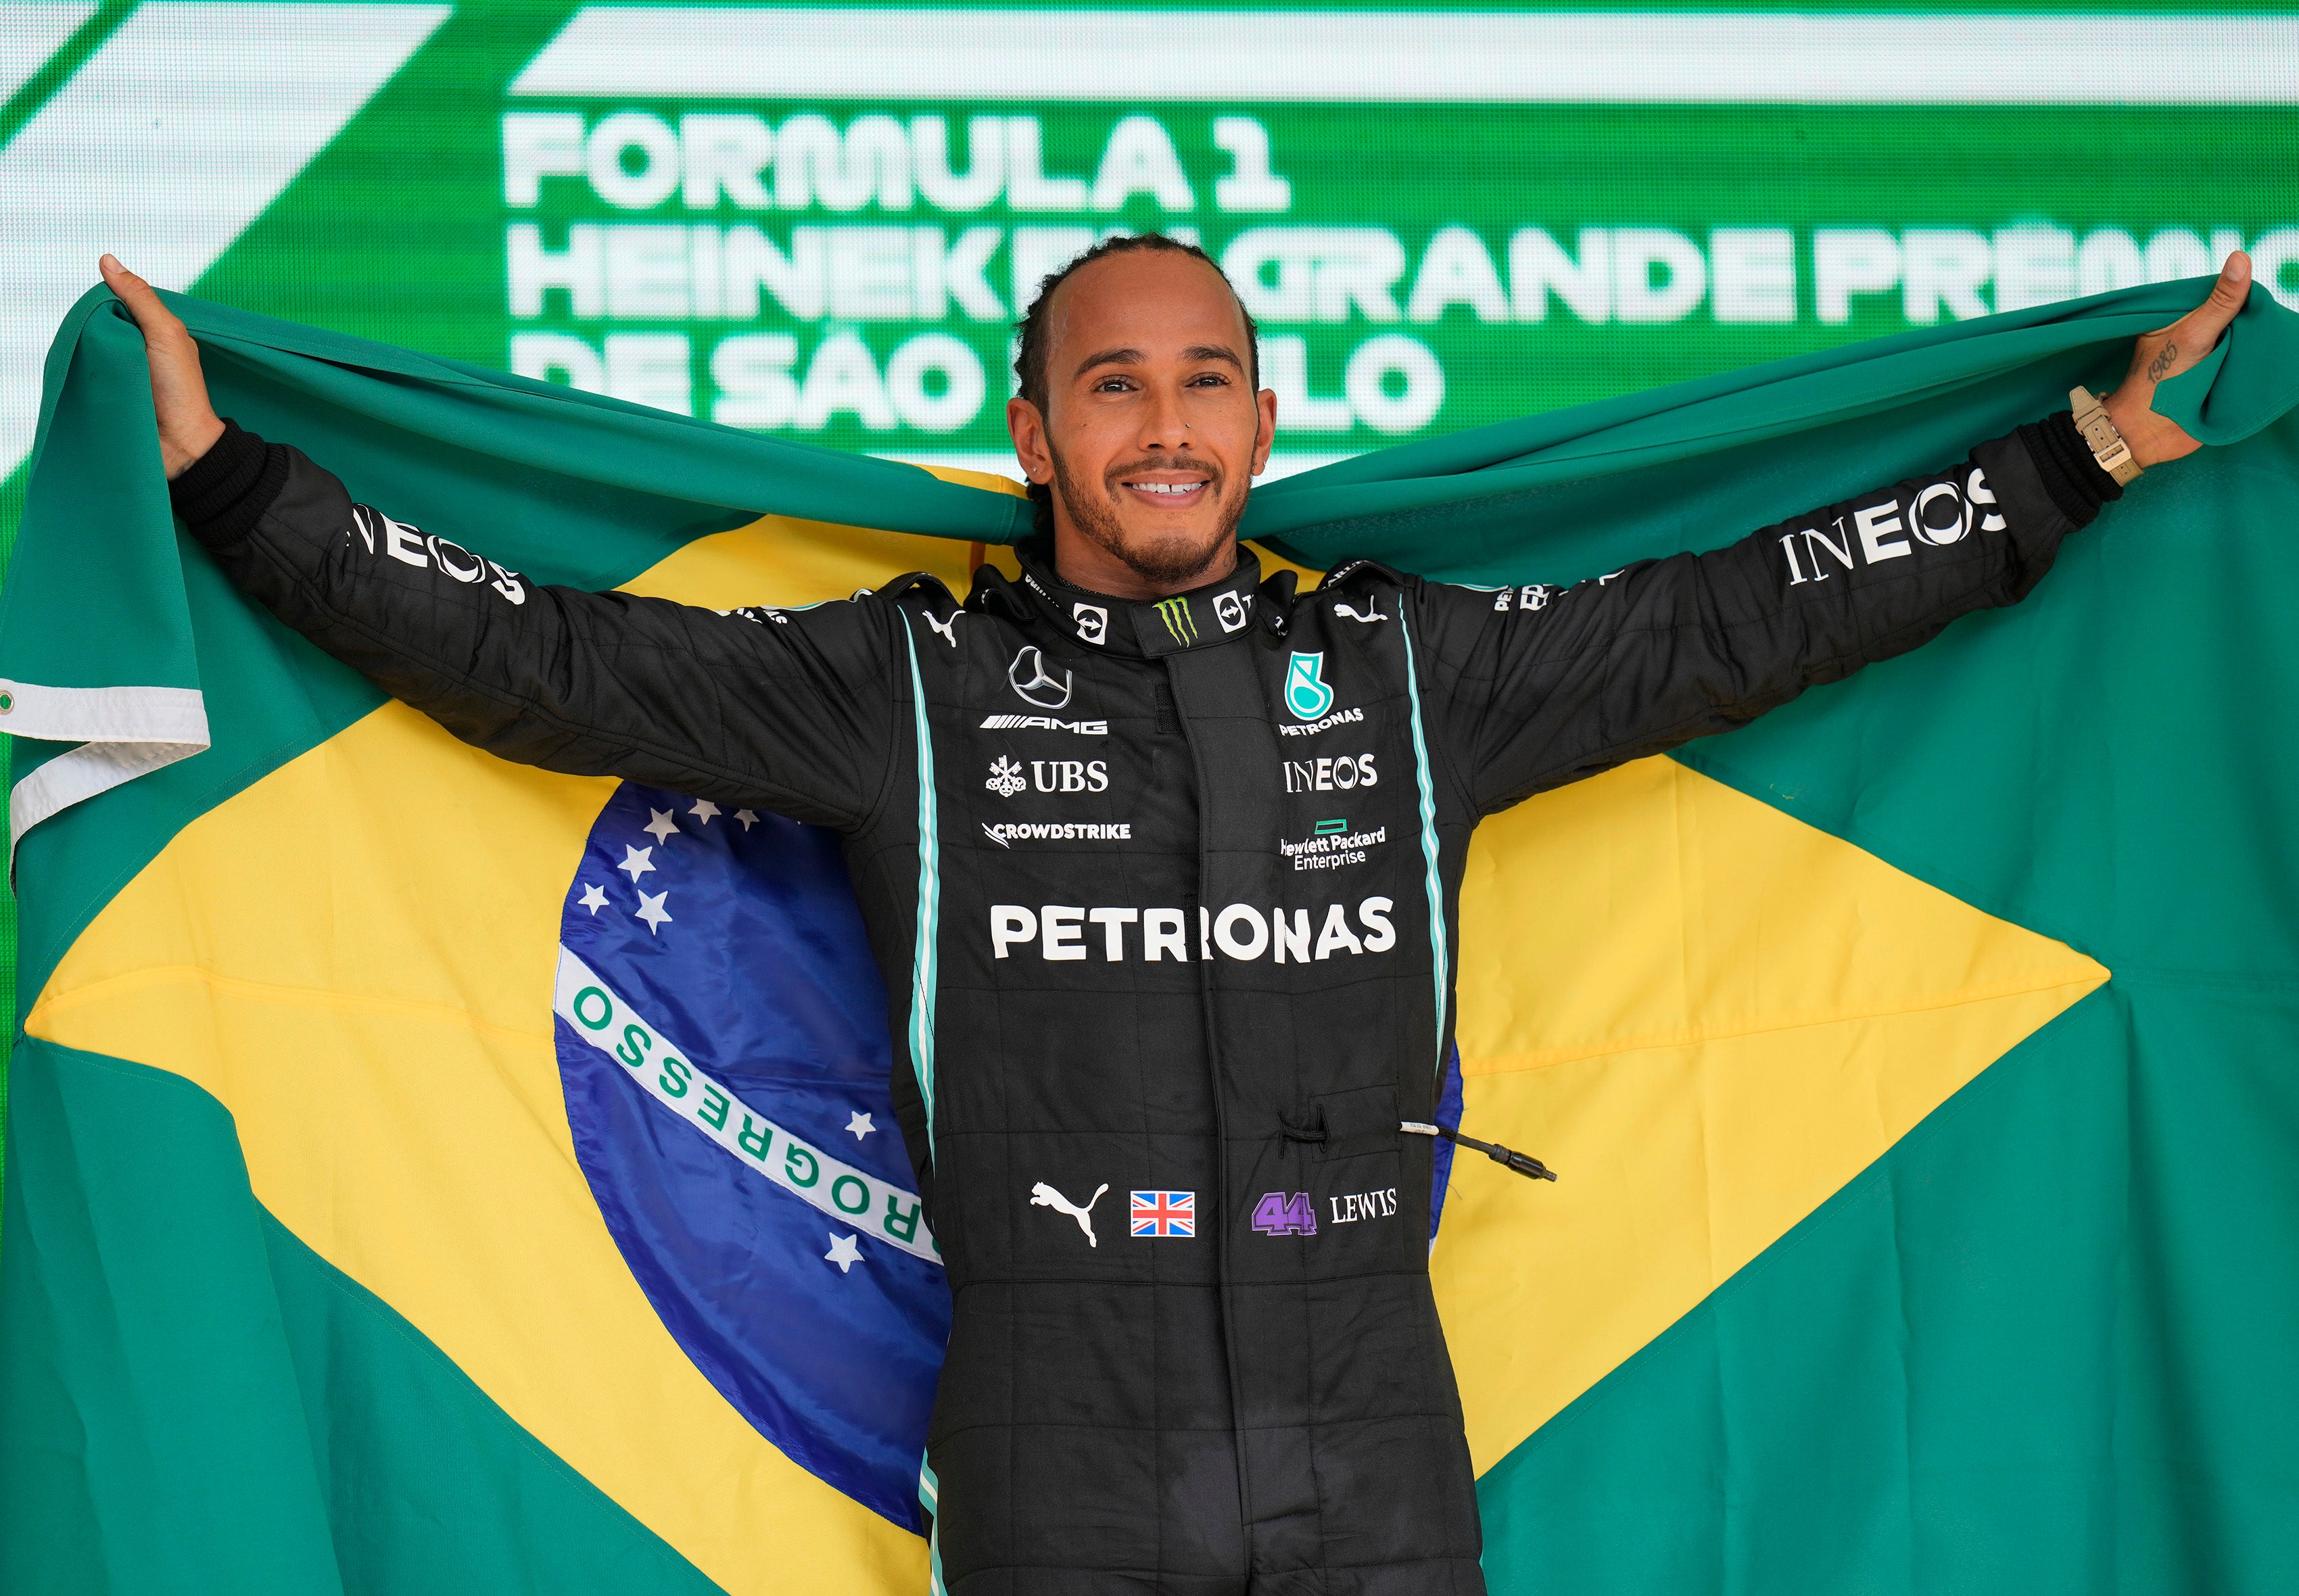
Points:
[[822, 221]]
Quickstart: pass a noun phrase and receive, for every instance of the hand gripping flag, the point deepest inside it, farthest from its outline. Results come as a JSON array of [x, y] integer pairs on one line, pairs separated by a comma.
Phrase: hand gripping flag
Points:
[[425, 1173]]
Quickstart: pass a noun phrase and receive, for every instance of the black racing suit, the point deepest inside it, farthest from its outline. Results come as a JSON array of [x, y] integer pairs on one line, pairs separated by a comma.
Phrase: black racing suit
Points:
[[1165, 896]]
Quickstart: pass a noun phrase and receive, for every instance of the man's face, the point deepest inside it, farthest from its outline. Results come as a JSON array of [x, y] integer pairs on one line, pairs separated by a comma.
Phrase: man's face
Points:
[[1153, 428]]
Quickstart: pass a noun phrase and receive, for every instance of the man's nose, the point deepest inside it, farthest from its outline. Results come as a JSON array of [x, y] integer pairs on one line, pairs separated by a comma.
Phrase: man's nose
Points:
[[1163, 424]]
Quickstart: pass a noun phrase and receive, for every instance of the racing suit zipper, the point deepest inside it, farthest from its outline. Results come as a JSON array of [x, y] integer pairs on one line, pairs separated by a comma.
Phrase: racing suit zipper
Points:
[[1169, 708]]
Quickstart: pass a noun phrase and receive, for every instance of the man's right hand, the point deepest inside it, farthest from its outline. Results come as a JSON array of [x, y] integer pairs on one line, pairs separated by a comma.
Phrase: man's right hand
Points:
[[188, 424]]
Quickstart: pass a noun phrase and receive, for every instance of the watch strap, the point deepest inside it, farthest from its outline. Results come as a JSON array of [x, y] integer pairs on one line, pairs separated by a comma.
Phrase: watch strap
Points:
[[2100, 436]]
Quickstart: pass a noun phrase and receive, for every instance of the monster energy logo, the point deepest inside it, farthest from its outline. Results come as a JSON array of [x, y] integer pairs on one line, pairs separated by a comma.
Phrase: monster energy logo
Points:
[[1175, 614]]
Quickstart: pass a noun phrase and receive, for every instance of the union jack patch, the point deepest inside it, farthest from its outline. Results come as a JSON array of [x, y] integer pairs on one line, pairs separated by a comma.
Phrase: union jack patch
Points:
[[1164, 1213]]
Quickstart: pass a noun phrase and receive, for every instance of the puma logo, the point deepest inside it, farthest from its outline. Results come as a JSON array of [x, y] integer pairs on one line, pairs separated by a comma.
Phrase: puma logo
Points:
[[949, 628], [1042, 1195], [1373, 611]]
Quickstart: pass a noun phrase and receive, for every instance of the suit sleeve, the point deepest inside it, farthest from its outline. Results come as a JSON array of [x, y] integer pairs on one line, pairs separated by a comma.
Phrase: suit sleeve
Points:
[[1540, 686], [788, 711]]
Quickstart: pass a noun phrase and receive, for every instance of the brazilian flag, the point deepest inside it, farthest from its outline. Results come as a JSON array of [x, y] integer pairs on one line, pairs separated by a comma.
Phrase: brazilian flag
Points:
[[1921, 1063]]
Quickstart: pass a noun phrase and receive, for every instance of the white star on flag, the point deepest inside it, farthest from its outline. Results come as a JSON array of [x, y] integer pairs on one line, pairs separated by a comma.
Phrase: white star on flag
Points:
[[661, 828], [594, 898], [860, 1124], [706, 809], [844, 1253], [652, 911], [747, 818], [638, 861]]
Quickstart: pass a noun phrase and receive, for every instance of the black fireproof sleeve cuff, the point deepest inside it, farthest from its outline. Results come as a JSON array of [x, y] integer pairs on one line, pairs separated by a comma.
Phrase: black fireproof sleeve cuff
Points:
[[227, 489], [2071, 472]]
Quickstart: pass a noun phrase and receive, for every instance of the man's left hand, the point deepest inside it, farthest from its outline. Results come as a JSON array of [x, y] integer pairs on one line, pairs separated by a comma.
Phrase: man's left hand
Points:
[[2165, 353]]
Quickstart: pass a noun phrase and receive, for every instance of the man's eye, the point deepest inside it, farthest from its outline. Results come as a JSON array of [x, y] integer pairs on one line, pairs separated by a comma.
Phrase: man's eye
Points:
[[1209, 379], [1112, 384]]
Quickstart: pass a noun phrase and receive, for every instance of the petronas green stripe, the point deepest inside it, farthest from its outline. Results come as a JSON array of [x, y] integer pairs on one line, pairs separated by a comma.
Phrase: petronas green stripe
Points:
[[1434, 880], [924, 976], [192, 1399]]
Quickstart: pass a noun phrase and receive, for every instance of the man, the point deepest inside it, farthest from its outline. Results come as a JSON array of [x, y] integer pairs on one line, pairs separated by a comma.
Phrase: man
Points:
[[1148, 1032]]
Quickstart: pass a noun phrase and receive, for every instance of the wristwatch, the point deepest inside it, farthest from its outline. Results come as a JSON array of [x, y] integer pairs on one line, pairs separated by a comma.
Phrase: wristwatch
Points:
[[2099, 435]]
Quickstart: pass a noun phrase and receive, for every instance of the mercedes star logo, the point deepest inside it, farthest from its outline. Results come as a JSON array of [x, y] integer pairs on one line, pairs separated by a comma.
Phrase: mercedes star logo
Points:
[[1035, 684]]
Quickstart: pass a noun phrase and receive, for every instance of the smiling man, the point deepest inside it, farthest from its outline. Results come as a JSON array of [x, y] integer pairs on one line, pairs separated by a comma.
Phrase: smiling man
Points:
[[1160, 860]]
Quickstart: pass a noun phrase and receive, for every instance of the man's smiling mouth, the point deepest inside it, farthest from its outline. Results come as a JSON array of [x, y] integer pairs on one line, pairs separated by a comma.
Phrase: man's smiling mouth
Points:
[[1168, 494]]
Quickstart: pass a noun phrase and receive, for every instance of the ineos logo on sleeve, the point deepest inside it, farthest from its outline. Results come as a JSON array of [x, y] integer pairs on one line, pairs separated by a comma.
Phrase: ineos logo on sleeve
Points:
[[412, 546], [1940, 514], [1093, 621], [1035, 684]]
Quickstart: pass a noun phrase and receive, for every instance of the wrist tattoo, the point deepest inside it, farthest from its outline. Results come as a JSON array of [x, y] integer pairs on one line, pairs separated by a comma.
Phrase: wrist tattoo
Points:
[[2162, 363]]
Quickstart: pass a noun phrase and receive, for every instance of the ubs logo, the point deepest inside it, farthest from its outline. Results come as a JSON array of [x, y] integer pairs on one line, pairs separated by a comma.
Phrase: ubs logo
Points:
[[1035, 684]]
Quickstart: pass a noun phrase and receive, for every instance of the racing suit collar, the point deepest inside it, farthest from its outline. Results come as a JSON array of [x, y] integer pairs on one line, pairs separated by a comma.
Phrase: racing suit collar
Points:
[[1197, 619]]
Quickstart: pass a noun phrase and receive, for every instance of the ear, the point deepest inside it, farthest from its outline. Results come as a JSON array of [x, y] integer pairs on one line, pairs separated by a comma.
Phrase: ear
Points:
[[1265, 430], [1028, 428]]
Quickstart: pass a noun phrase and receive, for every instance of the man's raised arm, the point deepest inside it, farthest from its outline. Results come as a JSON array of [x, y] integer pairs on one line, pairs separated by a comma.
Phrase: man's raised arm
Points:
[[1543, 685], [788, 711]]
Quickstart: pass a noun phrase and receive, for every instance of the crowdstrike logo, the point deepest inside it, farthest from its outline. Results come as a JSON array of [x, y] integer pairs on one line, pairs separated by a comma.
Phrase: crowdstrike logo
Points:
[[1036, 685], [1006, 833]]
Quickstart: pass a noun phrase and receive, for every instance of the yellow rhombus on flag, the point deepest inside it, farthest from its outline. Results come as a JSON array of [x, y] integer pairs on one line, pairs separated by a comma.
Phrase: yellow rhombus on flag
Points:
[[1708, 1014]]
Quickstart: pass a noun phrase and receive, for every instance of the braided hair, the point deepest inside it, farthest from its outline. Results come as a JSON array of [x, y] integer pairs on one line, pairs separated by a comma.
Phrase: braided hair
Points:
[[1030, 355]]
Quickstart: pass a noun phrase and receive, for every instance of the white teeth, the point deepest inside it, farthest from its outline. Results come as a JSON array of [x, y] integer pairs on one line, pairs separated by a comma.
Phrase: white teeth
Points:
[[1166, 487]]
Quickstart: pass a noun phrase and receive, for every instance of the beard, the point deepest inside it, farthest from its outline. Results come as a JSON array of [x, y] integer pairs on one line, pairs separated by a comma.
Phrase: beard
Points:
[[1167, 561]]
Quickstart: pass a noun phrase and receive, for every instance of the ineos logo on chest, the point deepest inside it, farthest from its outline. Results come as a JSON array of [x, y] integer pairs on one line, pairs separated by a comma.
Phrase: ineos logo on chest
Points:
[[1338, 775], [1034, 683]]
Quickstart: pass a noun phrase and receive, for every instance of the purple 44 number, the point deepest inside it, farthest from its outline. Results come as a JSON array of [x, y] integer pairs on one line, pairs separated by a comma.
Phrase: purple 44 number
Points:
[[1279, 1213]]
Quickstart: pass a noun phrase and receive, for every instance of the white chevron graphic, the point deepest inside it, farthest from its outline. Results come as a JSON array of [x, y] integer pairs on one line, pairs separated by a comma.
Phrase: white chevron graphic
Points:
[[30, 34], [2106, 57], [165, 146]]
